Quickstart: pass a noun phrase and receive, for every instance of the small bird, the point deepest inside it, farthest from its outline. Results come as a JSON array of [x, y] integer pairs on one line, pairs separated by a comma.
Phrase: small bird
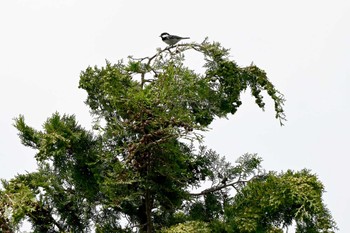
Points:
[[171, 39]]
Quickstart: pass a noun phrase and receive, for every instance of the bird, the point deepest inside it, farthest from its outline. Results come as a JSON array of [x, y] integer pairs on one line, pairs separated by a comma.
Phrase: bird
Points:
[[171, 39]]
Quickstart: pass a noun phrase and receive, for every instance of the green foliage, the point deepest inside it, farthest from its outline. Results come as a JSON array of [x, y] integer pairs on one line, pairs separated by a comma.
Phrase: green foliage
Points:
[[140, 166], [276, 201], [188, 227], [66, 184], [71, 149], [18, 199]]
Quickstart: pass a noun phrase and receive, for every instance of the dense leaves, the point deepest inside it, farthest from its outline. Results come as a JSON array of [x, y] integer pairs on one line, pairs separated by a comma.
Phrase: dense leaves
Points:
[[139, 170], [188, 227], [276, 201]]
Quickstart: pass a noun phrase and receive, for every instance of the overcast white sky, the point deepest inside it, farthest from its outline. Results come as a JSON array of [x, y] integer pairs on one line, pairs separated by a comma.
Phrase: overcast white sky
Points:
[[304, 46]]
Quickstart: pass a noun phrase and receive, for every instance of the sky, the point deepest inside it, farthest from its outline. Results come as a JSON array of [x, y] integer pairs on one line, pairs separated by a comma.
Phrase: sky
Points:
[[304, 46]]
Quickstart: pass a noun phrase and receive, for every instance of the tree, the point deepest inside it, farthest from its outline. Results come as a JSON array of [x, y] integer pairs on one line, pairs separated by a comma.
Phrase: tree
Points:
[[139, 165]]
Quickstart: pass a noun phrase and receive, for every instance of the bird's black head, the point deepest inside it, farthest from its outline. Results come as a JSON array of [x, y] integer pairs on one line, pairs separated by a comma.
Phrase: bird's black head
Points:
[[164, 34]]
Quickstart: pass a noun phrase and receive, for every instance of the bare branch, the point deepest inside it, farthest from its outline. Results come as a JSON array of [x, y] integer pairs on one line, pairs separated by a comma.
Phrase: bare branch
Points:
[[220, 187]]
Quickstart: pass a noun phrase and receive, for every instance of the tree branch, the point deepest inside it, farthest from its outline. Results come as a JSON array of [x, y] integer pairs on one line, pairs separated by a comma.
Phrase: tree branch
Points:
[[219, 187]]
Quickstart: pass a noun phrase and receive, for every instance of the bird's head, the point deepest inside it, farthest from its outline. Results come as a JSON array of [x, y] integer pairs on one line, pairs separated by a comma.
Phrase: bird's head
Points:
[[164, 34]]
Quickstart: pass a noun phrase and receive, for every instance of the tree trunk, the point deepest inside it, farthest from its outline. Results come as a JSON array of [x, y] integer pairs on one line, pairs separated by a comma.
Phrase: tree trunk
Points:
[[148, 203]]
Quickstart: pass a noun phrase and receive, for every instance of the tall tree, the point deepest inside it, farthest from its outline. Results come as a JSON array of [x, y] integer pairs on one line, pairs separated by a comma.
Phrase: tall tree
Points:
[[139, 166]]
